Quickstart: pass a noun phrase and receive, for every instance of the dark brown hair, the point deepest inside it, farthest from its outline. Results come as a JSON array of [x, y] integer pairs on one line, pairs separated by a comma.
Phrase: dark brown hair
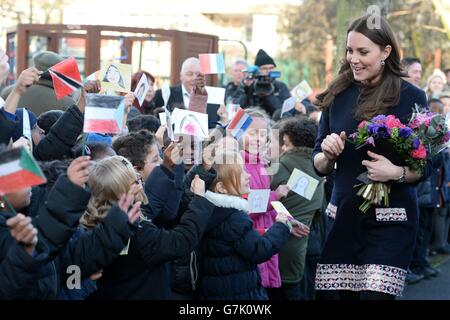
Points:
[[373, 99], [135, 146]]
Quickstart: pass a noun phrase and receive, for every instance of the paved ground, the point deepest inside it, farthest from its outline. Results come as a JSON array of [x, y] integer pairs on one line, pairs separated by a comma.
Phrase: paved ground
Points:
[[437, 288]]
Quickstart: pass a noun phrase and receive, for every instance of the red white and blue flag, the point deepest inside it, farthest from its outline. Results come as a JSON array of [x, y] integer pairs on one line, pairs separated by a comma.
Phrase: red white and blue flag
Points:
[[240, 123], [104, 114], [211, 63]]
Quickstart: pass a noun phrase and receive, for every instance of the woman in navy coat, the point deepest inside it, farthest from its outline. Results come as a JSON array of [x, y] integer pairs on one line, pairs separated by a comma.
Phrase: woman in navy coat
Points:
[[366, 255]]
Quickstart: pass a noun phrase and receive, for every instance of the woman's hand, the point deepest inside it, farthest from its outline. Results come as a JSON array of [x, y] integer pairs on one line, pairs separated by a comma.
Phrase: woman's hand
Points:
[[23, 232], [198, 186], [380, 169], [78, 172], [333, 145]]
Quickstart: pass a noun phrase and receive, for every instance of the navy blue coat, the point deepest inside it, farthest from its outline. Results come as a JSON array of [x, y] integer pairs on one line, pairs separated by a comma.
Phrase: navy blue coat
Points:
[[230, 252], [429, 192], [144, 273]]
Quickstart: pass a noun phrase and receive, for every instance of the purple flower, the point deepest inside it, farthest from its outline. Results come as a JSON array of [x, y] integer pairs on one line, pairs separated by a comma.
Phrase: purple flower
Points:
[[371, 141], [416, 143], [373, 128], [379, 129], [380, 118], [405, 132]]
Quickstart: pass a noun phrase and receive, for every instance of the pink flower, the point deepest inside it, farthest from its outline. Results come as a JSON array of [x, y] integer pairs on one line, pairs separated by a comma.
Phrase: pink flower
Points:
[[447, 137], [362, 124], [393, 122], [419, 153], [415, 124]]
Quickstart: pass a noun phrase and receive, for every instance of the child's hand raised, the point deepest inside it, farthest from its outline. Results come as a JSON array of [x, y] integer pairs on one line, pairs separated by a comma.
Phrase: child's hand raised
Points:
[[78, 172], [23, 232], [172, 154], [26, 78], [126, 201], [198, 186]]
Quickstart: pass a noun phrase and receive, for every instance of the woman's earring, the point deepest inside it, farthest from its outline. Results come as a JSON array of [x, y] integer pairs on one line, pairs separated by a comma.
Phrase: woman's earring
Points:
[[383, 63]]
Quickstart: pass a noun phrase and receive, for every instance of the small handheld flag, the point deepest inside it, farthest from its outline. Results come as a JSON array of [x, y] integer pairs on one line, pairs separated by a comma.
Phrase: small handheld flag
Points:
[[66, 77], [18, 170], [104, 114], [211, 63], [239, 124]]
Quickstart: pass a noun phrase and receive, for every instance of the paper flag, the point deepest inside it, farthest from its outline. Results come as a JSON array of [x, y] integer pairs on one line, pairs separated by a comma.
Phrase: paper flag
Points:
[[232, 109], [162, 118], [124, 251], [104, 114], [211, 63], [141, 89], [288, 105], [190, 123], [302, 90], [165, 91], [239, 124], [215, 95], [258, 200], [168, 123], [302, 184], [18, 170], [116, 77], [66, 77], [26, 129]]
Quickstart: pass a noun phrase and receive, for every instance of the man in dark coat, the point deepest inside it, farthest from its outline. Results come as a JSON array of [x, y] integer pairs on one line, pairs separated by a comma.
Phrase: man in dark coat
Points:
[[180, 94], [232, 88], [272, 102]]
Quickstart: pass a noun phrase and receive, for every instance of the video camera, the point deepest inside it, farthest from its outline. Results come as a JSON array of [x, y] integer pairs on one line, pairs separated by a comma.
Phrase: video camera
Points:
[[263, 84]]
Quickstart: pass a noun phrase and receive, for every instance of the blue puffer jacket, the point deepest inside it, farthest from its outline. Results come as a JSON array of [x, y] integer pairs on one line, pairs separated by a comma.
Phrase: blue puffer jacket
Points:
[[231, 250], [428, 191]]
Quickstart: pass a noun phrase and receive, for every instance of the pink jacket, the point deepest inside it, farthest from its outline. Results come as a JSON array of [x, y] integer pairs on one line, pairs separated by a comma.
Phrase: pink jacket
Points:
[[269, 270]]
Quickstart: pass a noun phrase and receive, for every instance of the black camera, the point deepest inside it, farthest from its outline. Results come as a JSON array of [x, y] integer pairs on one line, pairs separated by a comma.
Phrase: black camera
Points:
[[263, 84]]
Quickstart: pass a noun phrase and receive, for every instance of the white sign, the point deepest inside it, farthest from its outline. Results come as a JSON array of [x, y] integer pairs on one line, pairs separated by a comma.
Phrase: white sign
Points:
[[215, 95], [258, 200]]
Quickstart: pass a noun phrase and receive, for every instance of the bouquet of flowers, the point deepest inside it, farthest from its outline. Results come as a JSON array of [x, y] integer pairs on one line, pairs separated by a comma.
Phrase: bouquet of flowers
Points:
[[400, 141], [431, 128]]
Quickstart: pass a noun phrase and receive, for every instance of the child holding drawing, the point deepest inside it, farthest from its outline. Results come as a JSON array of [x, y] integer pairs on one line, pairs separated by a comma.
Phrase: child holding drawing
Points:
[[253, 142]]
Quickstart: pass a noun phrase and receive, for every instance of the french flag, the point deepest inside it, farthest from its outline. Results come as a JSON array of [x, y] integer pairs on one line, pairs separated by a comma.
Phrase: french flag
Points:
[[104, 114], [211, 63], [239, 124]]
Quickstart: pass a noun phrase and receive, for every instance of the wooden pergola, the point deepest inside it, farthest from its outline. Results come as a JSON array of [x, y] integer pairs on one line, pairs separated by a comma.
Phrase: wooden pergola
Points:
[[90, 37]]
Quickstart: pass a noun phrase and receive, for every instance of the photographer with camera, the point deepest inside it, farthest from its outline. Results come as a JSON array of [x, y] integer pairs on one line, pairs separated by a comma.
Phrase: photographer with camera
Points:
[[260, 87]]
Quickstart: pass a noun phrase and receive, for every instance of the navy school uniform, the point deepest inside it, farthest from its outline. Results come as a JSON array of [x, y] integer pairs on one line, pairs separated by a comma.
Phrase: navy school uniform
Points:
[[366, 252]]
